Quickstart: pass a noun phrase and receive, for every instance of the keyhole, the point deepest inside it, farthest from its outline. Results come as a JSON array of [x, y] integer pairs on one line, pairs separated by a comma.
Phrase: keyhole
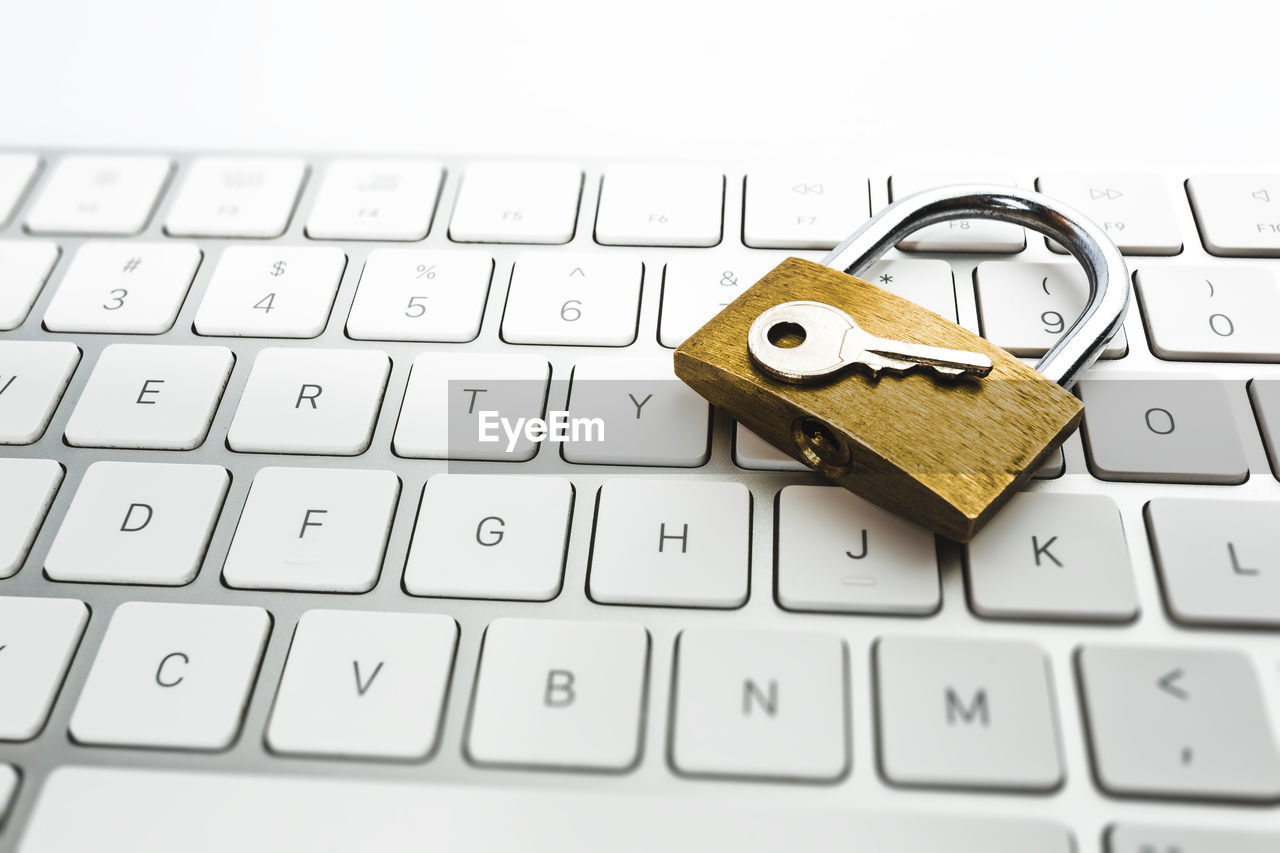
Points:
[[786, 335], [823, 449]]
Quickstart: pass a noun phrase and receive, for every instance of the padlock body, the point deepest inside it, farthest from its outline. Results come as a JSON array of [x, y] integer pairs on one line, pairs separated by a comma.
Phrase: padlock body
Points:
[[945, 453]]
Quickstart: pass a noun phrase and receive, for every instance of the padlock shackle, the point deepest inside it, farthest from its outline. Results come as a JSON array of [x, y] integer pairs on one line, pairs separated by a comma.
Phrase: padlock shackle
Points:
[[1105, 267]]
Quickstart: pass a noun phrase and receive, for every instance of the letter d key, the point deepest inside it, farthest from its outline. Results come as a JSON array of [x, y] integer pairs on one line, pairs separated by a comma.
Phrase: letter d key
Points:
[[886, 398]]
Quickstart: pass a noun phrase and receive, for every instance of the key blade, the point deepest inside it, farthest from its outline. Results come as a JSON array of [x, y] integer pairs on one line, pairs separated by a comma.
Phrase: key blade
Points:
[[950, 361]]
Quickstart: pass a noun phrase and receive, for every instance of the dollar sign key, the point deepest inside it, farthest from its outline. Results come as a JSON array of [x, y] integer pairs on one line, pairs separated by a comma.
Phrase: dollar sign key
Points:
[[277, 269]]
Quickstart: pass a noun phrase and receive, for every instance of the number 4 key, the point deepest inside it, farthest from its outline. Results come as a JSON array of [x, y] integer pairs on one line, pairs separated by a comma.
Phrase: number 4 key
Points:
[[268, 291]]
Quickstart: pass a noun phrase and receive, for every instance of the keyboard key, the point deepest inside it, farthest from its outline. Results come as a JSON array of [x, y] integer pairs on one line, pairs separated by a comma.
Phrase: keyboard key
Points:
[[487, 536], [150, 396], [319, 529], [1219, 561], [16, 172], [271, 291], [1053, 556], [153, 811], [172, 675], [1238, 215], [966, 714], [584, 299], [139, 523], [1265, 394], [796, 209], [24, 268], [677, 543], [38, 637], [760, 704], [134, 288], [29, 487], [381, 679], [33, 376], [1162, 431], [517, 203], [958, 235], [375, 200], [928, 283], [1133, 208], [840, 554], [1134, 838], [99, 195], [236, 197], [695, 288], [318, 401], [660, 206], [421, 295], [8, 787], [1169, 722], [753, 452], [1210, 313], [646, 415], [551, 693], [1026, 308], [447, 394]]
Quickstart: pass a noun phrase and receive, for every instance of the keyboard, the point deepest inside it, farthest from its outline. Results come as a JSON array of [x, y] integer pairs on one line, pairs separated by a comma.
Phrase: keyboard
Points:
[[268, 583]]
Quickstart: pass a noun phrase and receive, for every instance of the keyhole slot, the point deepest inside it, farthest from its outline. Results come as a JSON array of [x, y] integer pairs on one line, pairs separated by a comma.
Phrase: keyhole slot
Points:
[[786, 335], [824, 450]]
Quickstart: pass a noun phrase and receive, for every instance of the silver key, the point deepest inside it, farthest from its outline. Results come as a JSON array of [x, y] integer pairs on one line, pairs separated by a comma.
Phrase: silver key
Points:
[[802, 341]]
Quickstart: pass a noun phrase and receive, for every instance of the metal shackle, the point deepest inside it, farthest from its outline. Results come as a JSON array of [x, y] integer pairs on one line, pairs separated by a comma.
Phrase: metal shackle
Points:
[[1105, 267]]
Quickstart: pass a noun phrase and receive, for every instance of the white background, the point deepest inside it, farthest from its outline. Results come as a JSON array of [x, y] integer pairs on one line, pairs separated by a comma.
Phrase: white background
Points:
[[882, 83]]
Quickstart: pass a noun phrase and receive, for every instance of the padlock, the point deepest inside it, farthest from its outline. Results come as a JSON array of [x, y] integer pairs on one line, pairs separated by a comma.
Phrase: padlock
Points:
[[945, 451]]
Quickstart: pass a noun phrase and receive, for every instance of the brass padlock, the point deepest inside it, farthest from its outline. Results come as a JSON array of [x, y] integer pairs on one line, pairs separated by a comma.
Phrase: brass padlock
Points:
[[945, 445]]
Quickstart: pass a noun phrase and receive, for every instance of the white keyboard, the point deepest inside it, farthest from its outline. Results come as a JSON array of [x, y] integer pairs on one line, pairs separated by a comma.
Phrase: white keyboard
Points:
[[260, 590]]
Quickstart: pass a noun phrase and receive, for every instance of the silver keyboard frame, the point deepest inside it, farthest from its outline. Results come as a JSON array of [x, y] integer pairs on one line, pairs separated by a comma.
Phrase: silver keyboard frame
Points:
[[1078, 803]]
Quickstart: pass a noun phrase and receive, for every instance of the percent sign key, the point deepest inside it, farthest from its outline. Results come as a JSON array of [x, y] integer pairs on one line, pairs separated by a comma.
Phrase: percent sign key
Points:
[[427, 272]]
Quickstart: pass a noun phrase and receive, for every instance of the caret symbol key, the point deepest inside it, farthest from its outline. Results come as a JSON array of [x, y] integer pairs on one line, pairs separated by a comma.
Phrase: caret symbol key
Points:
[[805, 341]]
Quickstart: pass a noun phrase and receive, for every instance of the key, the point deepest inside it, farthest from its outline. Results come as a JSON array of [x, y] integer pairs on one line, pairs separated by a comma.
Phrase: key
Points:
[[99, 195], [317, 401], [150, 396], [1210, 313], [421, 295], [561, 694], [1170, 722], [695, 288], [38, 637], [134, 288], [375, 200], [1025, 308], [646, 415], [660, 206], [760, 704], [966, 714], [236, 197], [1053, 556], [29, 487], [928, 283], [837, 553], [1265, 394], [24, 268], [801, 341], [672, 543], [16, 172], [139, 523], [271, 292], [1132, 207], [753, 452], [320, 529], [1136, 838], [8, 787], [797, 209], [112, 810], [33, 377], [1219, 561], [959, 235], [584, 299], [380, 677], [447, 392], [1238, 215], [174, 676], [489, 536], [517, 203], [1162, 431]]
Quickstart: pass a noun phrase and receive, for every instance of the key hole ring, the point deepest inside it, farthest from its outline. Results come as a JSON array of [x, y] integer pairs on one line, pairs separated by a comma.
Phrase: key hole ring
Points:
[[786, 334]]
